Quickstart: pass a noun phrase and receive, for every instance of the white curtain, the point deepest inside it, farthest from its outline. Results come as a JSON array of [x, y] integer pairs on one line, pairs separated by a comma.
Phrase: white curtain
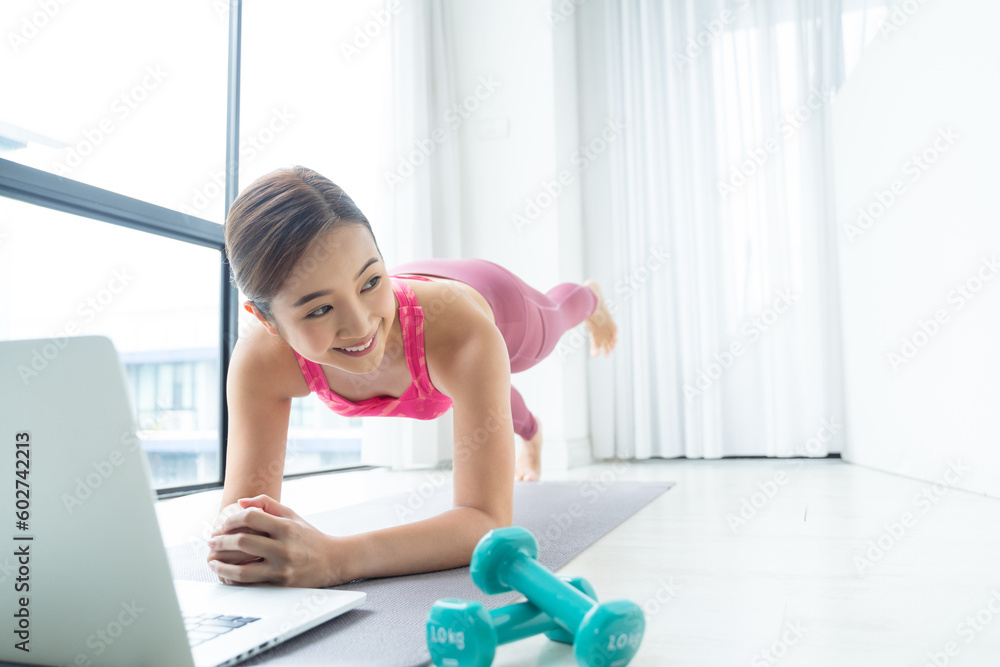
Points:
[[420, 180], [712, 225]]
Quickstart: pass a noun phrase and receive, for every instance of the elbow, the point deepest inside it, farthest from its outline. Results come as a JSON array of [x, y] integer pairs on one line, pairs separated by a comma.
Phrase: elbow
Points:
[[494, 520], [497, 515], [475, 523], [503, 519], [491, 519], [497, 521]]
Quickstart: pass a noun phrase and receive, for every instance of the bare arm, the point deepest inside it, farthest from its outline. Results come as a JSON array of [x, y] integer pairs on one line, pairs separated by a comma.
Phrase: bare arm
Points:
[[258, 429], [475, 372], [258, 423], [469, 363]]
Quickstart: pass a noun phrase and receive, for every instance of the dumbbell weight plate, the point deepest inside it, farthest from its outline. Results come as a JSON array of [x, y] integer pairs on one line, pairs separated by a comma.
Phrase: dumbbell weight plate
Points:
[[460, 634], [610, 634], [496, 549]]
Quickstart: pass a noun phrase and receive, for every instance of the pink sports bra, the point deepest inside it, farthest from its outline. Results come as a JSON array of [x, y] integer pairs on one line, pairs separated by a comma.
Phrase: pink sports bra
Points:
[[421, 400]]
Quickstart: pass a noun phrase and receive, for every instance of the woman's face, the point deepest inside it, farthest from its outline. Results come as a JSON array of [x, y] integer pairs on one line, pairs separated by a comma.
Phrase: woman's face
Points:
[[338, 296]]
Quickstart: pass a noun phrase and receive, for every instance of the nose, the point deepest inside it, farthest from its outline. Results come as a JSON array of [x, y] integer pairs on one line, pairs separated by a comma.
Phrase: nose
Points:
[[353, 322]]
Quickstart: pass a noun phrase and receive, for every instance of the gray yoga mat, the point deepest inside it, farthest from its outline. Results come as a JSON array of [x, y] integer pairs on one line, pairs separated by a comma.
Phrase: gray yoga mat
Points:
[[388, 629]]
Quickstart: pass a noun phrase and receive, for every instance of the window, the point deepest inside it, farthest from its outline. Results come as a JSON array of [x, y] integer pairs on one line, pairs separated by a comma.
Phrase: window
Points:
[[177, 415], [127, 96], [147, 294], [150, 132], [322, 440]]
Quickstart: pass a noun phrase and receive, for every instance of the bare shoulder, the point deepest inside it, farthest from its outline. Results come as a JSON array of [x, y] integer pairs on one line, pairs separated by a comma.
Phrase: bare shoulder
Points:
[[451, 314], [269, 361], [458, 337]]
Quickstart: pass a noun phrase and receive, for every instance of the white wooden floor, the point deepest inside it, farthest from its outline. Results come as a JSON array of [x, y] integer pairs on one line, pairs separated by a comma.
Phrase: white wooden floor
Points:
[[833, 564]]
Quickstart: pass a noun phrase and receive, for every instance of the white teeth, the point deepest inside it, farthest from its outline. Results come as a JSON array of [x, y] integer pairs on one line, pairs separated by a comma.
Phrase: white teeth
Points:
[[358, 349]]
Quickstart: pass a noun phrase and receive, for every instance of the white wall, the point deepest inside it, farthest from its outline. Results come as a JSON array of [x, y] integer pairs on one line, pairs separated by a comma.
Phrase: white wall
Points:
[[930, 83], [517, 43]]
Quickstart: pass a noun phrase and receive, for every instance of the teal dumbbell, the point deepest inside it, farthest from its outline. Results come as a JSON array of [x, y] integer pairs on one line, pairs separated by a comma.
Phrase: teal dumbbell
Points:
[[461, 633], [607, 633]]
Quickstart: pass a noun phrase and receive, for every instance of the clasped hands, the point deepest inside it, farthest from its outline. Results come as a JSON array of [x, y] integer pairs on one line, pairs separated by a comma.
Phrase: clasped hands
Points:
[[260, 541]]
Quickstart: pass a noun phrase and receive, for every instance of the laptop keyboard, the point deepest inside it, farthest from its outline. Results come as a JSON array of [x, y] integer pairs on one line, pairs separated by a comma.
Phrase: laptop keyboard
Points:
[[202, 627]]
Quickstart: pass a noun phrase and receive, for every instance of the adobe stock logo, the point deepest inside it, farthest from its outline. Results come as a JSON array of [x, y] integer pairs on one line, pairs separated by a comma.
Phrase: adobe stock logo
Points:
[[913, 169], [456, 114], [751, 331], [928, 328], [122, 107], [371, 30], [32, 25], [968, 629], [551, 190], [712, 29], [900, 15], [895, 531]]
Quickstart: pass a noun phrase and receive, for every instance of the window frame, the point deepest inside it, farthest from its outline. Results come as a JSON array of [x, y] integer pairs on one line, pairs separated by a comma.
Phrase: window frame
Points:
[[41, 188], [47, 190]]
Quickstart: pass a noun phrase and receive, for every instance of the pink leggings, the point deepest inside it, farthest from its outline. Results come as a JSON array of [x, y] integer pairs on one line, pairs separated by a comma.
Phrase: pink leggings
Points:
[[531, 322]]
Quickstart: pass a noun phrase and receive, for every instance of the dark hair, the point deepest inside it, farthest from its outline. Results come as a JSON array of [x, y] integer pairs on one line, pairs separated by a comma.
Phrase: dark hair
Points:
[[271, 224]]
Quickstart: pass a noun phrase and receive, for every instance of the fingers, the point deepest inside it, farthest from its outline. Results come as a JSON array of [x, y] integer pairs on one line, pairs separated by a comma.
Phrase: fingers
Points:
[[225, 513], [227, 555], [250, 545], [257, 564], [253, 520], [232, 542], [231, 557], [269, 505], [234, 548], [246, 573]]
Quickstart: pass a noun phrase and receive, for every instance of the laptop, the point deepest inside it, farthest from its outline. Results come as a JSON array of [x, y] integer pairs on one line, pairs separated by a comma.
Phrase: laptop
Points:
[[84, 575]]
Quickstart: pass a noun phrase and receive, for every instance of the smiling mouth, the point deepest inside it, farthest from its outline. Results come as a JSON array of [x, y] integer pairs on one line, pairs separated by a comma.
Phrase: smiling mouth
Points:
[[359, 348]]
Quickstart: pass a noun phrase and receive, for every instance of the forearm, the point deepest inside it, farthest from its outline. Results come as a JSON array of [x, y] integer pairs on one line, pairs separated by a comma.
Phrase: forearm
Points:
[[439, 543]]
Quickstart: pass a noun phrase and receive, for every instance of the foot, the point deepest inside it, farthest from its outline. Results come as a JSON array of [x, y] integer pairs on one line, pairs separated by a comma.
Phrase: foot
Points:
[[528, 466], [603, 331]]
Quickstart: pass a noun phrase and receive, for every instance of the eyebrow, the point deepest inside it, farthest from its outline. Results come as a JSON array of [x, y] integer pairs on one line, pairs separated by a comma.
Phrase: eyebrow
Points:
[[315, 295]]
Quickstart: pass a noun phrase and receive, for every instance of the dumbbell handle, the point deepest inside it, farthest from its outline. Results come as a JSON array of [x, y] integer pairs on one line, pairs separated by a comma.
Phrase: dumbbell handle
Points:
[[517, 621], [561, 602]]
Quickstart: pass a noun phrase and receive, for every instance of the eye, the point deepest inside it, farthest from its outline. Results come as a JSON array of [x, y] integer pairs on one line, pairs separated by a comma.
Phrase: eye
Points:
[[322, 310], [317, 313]]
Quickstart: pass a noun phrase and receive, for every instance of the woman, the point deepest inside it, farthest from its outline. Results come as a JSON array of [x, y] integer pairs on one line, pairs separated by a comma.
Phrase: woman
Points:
[[433, 335]]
